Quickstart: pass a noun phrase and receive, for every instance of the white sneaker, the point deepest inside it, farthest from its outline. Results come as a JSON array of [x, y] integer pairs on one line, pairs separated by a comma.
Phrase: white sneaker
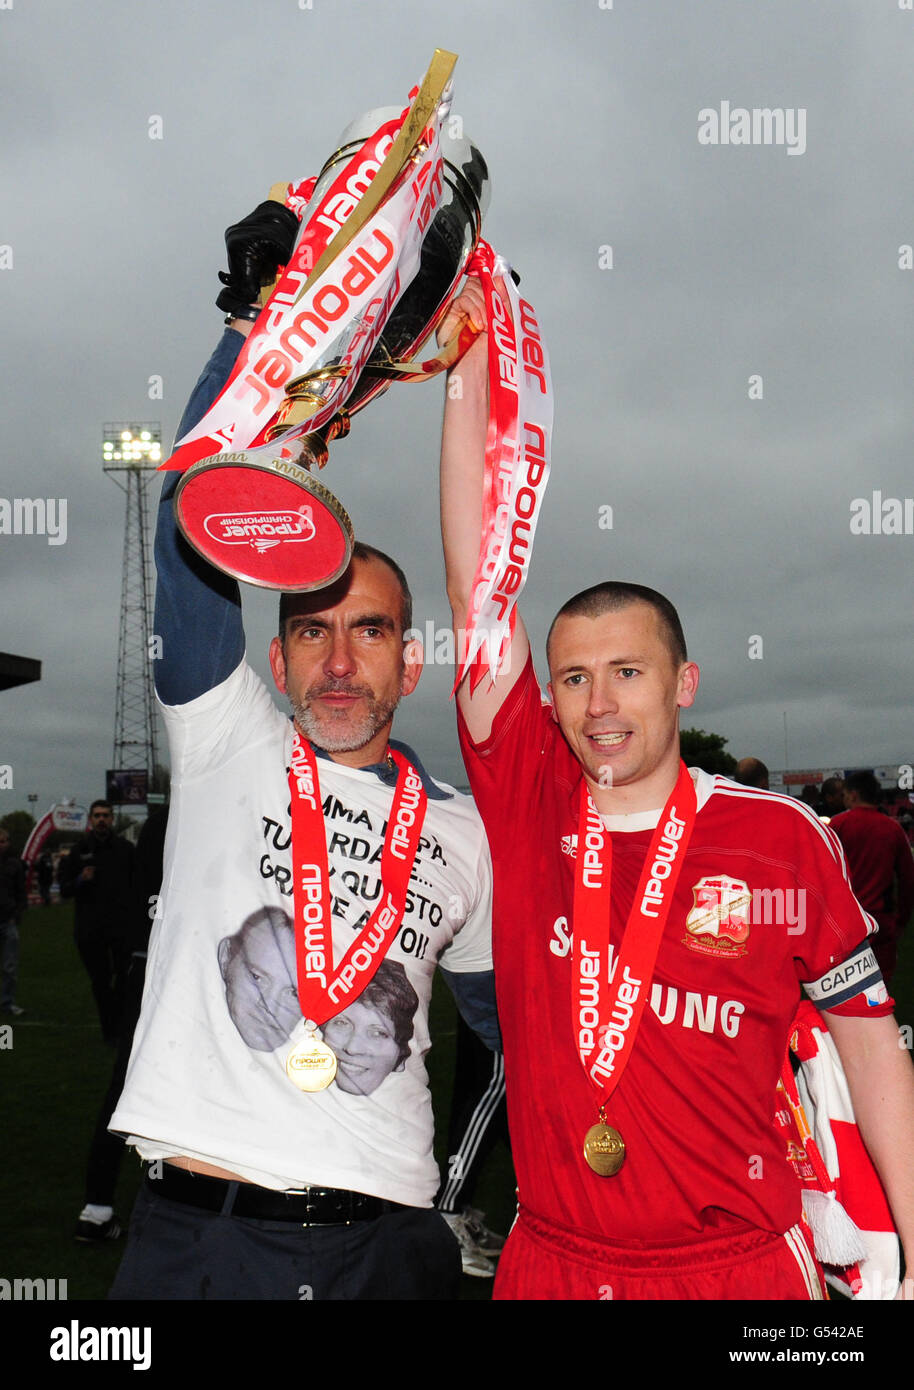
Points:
[[471, 1257], [489, 1242]]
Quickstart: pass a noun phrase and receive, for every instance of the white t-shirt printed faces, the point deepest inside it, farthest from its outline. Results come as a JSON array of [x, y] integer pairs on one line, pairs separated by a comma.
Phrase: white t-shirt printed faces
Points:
[[220, 1012]]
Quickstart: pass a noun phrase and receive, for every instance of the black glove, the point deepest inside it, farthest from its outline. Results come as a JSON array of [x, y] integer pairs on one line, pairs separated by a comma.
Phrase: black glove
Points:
[[256, 246]]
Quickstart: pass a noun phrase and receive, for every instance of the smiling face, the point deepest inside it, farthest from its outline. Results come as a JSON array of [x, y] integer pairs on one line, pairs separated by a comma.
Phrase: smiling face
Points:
[[616, 691], [366, 1049], [343, 664]]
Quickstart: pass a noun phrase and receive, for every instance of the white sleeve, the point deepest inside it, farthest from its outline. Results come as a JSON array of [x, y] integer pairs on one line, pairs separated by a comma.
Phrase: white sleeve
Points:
[[207, 732], [471, 948]]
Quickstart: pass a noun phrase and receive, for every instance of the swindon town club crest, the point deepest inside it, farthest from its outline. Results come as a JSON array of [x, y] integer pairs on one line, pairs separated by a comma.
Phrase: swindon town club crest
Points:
[[718, 924]]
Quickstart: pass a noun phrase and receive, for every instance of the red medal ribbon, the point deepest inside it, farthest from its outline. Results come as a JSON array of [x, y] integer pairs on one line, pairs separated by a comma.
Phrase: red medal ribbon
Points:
[[324, 987], [607, 1004]]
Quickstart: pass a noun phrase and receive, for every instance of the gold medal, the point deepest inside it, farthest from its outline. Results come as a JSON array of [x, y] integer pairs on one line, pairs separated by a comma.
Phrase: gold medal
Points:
[[604, 1150], [311, 1065]]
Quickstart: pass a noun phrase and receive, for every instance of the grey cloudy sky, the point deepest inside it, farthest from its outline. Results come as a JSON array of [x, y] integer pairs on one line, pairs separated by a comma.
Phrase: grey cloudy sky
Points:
[[728, 261]]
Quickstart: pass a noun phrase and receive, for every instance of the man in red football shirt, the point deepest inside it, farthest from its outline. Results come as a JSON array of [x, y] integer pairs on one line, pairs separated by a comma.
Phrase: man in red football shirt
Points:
[[880, 864], [646, 1157]]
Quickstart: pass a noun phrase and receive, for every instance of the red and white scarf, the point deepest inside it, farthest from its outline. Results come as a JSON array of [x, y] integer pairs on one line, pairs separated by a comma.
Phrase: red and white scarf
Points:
[[843, 1200]]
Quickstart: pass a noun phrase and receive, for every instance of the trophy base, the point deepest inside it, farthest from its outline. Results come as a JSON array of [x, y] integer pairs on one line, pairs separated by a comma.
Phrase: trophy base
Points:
[[261, 518]]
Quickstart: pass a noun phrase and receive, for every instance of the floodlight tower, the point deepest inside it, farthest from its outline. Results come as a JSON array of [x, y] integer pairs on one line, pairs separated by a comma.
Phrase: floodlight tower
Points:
[[131, 454]]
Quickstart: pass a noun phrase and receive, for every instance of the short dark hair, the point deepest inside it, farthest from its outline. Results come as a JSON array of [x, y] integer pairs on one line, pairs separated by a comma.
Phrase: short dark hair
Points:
[[361, 551], [866, 785], [101, 802], [614, 595], [390, 992], [751, 772]]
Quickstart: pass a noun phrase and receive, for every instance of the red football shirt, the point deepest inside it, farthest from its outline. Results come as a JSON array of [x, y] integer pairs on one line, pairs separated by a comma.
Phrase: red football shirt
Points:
[[877, 851], [695, 1105]]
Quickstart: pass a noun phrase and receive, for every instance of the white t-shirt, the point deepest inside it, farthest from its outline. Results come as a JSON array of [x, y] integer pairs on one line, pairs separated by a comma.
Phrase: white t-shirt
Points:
[[220, 1011]]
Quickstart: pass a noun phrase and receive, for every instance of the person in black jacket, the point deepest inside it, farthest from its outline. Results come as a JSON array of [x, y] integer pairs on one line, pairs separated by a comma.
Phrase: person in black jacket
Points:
[[98, 875], [97, 1220], [12, 906]]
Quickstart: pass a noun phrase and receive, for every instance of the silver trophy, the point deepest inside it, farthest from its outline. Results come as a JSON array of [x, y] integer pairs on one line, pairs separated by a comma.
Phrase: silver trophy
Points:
[[260, 514]]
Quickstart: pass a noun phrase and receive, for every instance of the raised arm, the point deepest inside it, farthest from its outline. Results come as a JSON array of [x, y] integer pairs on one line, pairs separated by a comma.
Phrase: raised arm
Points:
[[198, 609], [463, 445]]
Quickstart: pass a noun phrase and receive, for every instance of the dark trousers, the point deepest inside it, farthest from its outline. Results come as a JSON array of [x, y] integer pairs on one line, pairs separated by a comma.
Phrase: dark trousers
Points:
[[180, 1252], [105, 955], [9, 963], [107, 1149]]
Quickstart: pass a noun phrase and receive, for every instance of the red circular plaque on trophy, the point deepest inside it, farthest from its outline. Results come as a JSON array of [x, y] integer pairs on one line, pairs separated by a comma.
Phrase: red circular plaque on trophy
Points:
[[265, 521]]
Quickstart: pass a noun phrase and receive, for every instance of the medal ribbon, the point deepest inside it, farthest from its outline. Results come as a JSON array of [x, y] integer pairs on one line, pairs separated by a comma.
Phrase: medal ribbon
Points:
[[322, 986], [516, 465], [606, 1031]]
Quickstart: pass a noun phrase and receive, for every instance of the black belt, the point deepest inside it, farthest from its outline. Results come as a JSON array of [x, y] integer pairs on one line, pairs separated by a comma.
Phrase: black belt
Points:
[[314, 1206]]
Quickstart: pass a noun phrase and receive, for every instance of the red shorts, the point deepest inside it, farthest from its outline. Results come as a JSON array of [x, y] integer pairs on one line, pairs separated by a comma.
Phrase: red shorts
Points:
[[545, 1261]]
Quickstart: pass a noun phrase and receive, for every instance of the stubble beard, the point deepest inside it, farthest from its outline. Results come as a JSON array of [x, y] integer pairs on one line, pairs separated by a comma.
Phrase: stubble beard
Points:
[[342, 731]]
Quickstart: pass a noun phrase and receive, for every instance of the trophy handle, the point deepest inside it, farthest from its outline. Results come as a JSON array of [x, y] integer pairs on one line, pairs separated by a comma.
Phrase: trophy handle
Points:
[[443, 360], [301, 401]]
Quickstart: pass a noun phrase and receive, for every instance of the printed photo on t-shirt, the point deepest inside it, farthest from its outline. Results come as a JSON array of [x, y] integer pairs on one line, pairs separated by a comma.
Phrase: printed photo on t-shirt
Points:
[[370, 1037]]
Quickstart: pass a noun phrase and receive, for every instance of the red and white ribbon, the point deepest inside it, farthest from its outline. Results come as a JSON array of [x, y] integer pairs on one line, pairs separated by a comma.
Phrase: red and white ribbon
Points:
[[611, 987], [324, 984], [518, 449]]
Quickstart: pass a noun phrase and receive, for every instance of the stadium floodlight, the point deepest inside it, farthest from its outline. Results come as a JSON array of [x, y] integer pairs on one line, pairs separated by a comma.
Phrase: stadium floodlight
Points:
[[131, 452], [137, 445]]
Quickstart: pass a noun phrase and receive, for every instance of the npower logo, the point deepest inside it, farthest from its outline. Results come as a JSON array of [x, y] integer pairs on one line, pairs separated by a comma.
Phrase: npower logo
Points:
[[262, 530]]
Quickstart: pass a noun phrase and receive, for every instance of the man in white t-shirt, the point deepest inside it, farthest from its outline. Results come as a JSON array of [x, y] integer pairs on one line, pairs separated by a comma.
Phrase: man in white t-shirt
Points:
[[255, 1188]]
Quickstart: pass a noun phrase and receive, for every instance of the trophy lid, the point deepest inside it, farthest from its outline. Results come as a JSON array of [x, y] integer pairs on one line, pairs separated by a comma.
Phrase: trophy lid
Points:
[[468, 170]]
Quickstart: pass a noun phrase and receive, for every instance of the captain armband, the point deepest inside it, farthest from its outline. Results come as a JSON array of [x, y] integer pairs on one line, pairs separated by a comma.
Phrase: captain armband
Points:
[[856, 981]]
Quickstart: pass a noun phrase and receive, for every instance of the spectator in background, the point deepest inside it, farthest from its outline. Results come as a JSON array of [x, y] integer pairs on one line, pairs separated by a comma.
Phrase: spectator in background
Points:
[[12, 906], [831, 797], [97, 1220], [751, 772], [44, 871], [98, 875], [879, 862]]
